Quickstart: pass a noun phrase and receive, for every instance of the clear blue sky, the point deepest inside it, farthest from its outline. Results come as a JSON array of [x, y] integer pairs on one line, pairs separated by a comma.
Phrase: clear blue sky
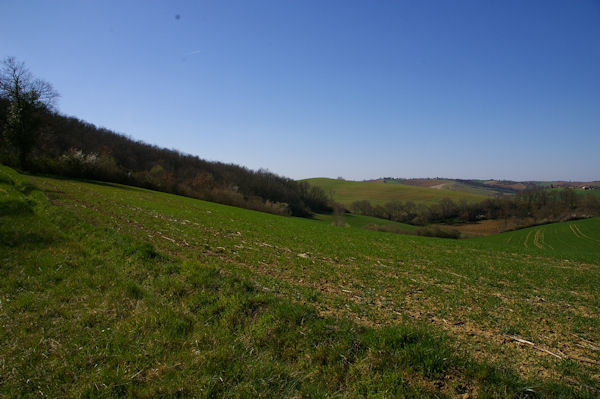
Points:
[[359, 89]]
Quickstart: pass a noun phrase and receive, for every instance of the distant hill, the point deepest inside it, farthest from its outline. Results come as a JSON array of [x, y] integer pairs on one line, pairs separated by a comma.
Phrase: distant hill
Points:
[[378, 193], [494, 188]]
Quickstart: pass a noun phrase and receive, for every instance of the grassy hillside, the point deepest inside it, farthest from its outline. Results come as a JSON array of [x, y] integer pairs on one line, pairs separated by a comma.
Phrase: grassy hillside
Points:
[[361, 221], [491, 188], [110, 290], [483, 187], [467, 187], [575, 240], [347, 192]]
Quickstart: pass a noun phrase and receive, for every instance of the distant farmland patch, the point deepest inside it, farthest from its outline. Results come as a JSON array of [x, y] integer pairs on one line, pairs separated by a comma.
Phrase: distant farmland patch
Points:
[[378, 193], [576, 239]]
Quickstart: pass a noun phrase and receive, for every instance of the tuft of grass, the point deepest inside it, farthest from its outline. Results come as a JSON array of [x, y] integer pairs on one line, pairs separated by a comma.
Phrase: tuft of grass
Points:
[[134, 290], [143, 250], [15, 207]]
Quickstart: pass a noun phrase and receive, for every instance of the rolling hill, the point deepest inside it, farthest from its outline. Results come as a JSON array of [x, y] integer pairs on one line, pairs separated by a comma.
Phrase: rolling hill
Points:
[[494, 188], [346, 192], [484, 187], [110, 291]]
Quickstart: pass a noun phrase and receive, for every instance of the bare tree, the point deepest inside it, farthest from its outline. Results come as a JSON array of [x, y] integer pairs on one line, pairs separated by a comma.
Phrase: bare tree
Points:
[[28, 98], [339, 211]]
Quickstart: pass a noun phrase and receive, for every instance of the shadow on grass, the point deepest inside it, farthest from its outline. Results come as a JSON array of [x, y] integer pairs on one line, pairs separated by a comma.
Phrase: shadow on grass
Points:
[[15, 207], [122, 186], [14, 238]]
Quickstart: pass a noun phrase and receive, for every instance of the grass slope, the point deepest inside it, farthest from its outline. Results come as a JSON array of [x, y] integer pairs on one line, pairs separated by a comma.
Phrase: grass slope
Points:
[[470, 188], [575, 240], [347, 192], [110, 291], [360, 221], [473, 187]]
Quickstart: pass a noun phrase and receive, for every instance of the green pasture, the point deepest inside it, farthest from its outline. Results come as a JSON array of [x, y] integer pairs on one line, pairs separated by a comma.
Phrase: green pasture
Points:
[[577, 240], [467, 188], [346, 192], [360, 221], [114, 291]]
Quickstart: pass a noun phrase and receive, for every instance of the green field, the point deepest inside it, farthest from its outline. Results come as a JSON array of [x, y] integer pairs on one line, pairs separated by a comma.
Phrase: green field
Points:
[[468, 188], [112, 291], [575, 240], [346, 192], [360, 221], [472, 187]]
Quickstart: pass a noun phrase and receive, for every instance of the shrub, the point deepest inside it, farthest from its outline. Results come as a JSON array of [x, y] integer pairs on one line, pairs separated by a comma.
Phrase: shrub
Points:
[[437, 231], [428, 231]]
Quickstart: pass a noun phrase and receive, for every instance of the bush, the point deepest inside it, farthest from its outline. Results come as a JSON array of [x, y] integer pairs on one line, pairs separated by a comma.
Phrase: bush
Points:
[[427, 231], [437, 231], [388, 228]]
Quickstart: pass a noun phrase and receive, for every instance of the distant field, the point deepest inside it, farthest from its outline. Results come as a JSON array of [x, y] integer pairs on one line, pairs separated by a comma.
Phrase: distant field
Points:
[[484, 227], [347, 192], [114, 291], [415, 182], [488, 187], [467, 188], [576, 240], [359, 221], [595, 193], [482, 187]]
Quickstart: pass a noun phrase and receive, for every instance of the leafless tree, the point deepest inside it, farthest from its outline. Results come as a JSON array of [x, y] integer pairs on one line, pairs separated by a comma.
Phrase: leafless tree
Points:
[[18, 84], [28, 98], [339, 212]]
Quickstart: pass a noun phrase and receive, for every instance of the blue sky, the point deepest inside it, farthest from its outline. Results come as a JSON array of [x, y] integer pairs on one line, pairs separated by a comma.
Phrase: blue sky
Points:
[[359, 89]]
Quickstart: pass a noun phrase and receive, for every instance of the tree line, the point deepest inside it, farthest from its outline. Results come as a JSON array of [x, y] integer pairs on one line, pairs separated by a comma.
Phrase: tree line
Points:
[[537, 205], [35, 137]]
